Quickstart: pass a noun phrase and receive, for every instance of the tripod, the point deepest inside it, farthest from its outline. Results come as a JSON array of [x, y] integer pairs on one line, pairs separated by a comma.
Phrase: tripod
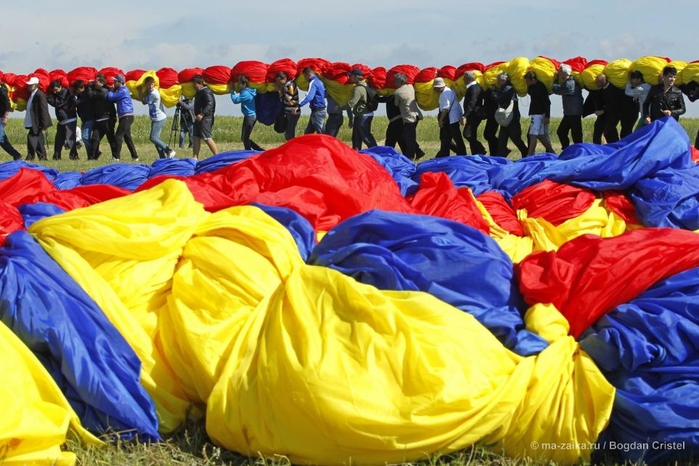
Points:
[[175, 129]]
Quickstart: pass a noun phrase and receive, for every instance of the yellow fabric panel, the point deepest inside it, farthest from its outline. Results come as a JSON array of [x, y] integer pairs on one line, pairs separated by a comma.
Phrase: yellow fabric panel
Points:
[[36, 415], [171, 95], [516, 70], [689, 73], [258, 253], [490, 77], [123, 253], [427, 98], [516, 247], [544, 70], [589, 74], [219, 89], [568, 401], [341, 93], [617, 72], [679, 66], [329, 369], [596, 220], [651, 67], [188, 90]]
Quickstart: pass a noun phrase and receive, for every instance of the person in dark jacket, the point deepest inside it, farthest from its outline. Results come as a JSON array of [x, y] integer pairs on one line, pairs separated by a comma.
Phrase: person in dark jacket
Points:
[[664, 99], [539, 113], [86, 112], [4, 111], [186, 109], [490, 132], [473, 112], [37, 120], [65, 106], [571, 95], [204, 110], [618, 108], [105, 117], [594, 105], [502, 96]]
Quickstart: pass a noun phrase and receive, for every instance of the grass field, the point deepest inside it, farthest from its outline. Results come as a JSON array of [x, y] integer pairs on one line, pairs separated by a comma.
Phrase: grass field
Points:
[[191, 446], [227, 137]]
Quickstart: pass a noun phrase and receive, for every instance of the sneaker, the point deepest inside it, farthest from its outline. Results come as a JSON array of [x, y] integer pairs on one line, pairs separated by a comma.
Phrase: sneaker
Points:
[[116, 159], [172, 154], [134, 159]]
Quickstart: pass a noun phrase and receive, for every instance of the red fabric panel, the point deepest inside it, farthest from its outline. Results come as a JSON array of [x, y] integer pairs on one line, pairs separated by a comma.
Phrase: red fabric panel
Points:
[[318, 64], [24, 184], [437, 196], [133, 75], [618, 203], [597, 62], [426, 75], [338, 72], [503, 214], [86, 73], [62, 76], [44, 78], [287, 65], [472, 66], [554, 202], [447, 72], [494, 64], [20, 85], [10, 220], [186, 75], [9, 79], [365, 69], [217, 74], [578, 64], [378, 78], [109, 72], [408, 70], [695, 154], [81, 196], [589, 275], [167, 77], [256, 71]]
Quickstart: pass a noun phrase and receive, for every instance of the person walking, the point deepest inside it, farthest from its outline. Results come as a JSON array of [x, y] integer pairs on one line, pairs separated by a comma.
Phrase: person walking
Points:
[[157, 115], [120, 95], [4, 111], [36, 120], [246, 99], [315, 98], [204, 111]]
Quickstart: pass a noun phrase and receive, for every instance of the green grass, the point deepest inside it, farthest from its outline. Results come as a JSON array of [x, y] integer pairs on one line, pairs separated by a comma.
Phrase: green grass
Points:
[[227, 137], [191, 445]]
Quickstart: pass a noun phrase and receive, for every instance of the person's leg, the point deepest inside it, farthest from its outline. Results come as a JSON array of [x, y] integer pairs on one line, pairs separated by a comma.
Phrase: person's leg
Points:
[[610, 131], [576, 131], [211, 144], [111, 136], [291, 120], [7, 146], [455, 130], [333, 125], [59, 141], [128, 121], [562, 131], [356, 133], [365, 131], [119, 138], [515, 134], [253, 144], [196, 147], [318, 119], [490, 134], [410, 139], [156, 128], [598, 129], [246, 131], [393, 133], [42, 141], [444, 141], [86, 129], [471, 135], [71, 139]]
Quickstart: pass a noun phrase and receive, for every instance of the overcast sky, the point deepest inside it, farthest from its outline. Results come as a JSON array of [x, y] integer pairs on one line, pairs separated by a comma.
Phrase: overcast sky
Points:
[[132, 34]]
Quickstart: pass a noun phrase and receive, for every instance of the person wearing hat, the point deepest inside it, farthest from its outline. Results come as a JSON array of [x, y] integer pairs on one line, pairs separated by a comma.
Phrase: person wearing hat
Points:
[[449, 119], [121, 96], [37, 120], [4, 110], [361, 126]]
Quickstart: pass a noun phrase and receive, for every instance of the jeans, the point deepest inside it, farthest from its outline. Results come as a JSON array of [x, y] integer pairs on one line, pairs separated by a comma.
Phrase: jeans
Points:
[[5, 144], [246, 132], [156, 127], [184, 130], [86, 129], [361, 132], [316, 124]]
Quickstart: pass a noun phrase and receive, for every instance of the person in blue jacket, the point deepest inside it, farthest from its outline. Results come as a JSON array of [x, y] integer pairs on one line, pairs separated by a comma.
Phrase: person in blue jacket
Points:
[[246, 98], [316, 100], [124, 104]]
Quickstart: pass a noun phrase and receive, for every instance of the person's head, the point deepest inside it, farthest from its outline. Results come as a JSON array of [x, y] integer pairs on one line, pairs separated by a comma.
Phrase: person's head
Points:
[[32, 83], [119, 81], [601, 80], [308, 73], [439, 85], [669, 75], [502, 79], [243, 81], [530, 78], [198, 81], [149, 82], [100, 80], [565, 71], [78, 86], [636, 78], [356, 75], [469, 77], [400, 79], [55, 86], [281, 77]]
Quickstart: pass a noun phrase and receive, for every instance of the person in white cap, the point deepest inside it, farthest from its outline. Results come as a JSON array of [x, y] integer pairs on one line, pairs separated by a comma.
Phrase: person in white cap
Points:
[[449, 119], [36, 120]]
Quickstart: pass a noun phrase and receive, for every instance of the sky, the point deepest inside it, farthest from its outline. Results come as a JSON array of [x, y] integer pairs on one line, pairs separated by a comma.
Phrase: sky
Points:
[[131, 34]]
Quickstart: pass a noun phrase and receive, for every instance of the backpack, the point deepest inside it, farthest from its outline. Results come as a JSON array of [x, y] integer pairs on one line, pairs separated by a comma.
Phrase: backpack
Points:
[[372, 99]]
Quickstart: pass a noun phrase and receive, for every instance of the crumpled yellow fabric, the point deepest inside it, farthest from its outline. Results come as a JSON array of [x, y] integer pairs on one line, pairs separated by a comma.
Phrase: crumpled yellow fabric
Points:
[[617, 72], [302, 360], [36, 416]]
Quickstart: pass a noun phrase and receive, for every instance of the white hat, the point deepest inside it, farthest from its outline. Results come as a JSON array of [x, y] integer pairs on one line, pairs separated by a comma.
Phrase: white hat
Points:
[[438, 83], [33, 80]]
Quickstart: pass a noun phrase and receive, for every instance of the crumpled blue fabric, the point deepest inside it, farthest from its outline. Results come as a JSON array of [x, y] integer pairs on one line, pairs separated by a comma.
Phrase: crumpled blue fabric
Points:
[[32, 213], [452, 261], [88, 358], [9, 169], [399, 166], [301, 229], [669, 198], [649, 350], [465, 171], [176, 167], [68, 180], [127, 176], [222, 160]]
